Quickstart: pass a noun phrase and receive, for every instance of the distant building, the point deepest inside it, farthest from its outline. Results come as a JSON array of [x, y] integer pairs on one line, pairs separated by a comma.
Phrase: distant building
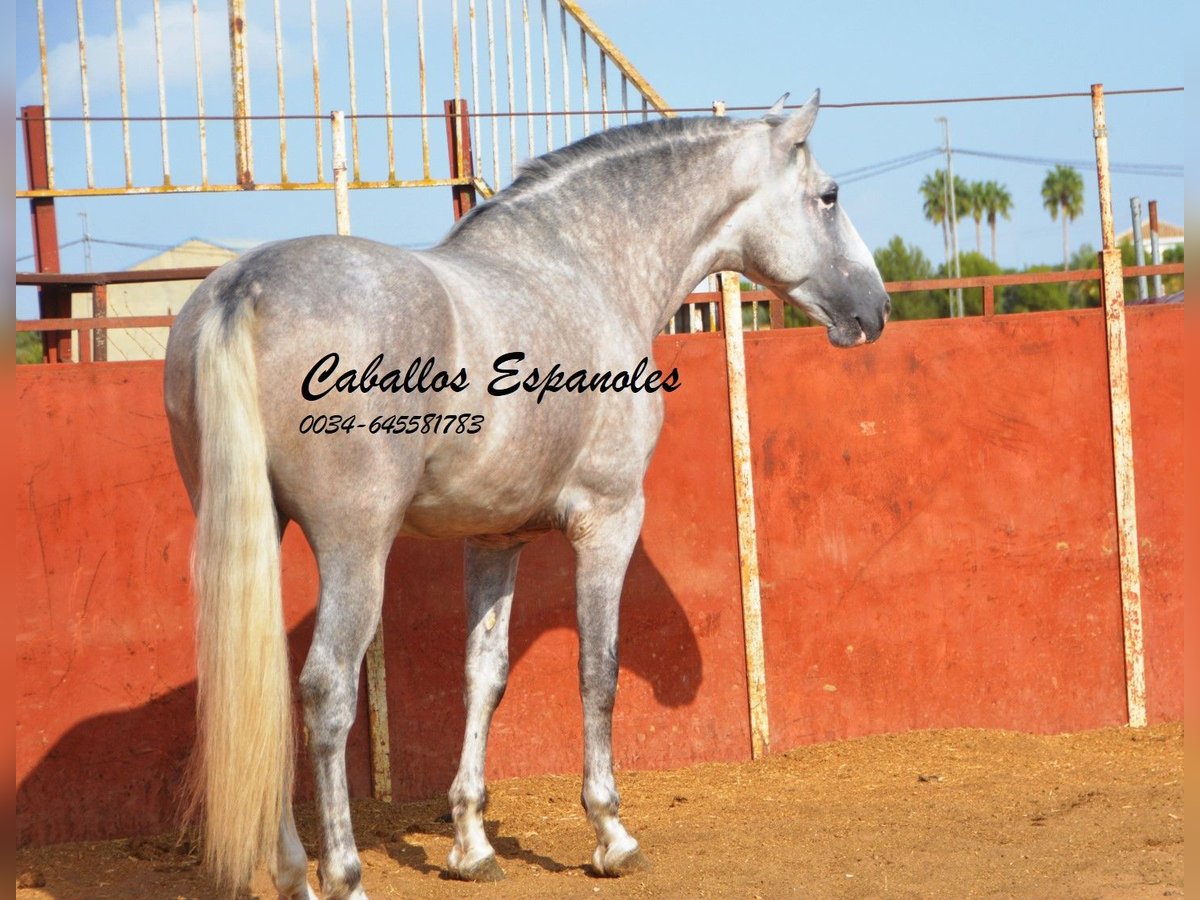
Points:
[[1168, 236], [151, 299]]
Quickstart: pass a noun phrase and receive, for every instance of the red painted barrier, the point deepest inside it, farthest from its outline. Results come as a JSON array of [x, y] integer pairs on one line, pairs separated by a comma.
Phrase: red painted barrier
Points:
[[937, 547]]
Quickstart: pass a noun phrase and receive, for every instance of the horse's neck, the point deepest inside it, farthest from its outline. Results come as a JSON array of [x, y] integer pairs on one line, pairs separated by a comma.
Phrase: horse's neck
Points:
[[635, 251]]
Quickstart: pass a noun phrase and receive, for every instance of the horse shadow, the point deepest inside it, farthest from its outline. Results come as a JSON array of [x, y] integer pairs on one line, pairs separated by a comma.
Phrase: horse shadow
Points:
[[119, 774]]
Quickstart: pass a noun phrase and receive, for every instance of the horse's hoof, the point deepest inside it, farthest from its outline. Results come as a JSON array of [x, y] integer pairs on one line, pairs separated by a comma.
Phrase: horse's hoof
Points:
[[487, 869], [618, 866]]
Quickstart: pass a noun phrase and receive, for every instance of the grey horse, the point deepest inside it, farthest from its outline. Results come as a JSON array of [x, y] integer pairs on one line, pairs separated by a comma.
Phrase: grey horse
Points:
[[492, 388]]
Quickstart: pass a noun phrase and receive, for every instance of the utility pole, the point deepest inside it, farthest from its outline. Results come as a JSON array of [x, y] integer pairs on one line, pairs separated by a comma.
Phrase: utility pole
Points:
[[1139, 252], [87, 243], [957, 307]]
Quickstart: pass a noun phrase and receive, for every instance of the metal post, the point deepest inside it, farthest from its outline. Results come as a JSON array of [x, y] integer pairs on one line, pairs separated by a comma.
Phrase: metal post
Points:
[[1155, 254], [458, 145], [99, 335], [1112, 288], [953, 213], [377, 708], [53, 303], [1139, 252], [240, 72], [341, 193], [743, 485]]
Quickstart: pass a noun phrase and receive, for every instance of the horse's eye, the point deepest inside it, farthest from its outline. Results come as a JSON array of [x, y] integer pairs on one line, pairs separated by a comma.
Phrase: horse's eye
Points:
[[829, 197]]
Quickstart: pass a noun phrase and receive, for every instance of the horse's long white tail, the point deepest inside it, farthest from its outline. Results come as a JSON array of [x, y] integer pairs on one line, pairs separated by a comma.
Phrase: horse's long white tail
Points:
[[242, 769]]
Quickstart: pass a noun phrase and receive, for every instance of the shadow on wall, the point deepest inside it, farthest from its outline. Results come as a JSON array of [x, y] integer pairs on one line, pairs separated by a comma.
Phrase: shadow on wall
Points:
[[118, 774]]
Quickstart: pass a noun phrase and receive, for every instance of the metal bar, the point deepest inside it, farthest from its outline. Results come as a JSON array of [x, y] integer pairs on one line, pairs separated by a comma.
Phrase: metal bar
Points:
[[99, 341], [454, 48], [491, 48], [546, 77], [83, 94], [1155, 253], [1112, 289], [478, 162], [353, 85], [777, 312], [283, 174], [162, 95], [512, 103], [377, 715], [528, 77], [341, 195], [220, 188], [387, 90], [238, 63], [56, 345], [619, 59], [123, 91], [203, 125], [458, 143], [316, 80], [624, 99], [67, 324], [1139, 250], [46, 142], [603, 91], [586, 96], [424, 100], [739, 416], [54, 278], [566, 74]]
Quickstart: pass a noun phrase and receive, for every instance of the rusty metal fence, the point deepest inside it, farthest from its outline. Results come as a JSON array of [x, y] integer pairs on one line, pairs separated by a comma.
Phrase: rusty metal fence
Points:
[[536, 75]]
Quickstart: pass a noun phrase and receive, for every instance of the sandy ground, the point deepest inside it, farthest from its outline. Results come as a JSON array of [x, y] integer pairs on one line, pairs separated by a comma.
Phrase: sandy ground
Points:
[[959, 813]]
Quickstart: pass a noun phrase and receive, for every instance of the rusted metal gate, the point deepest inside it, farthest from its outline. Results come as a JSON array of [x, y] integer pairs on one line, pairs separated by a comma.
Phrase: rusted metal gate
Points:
[[524, 53]]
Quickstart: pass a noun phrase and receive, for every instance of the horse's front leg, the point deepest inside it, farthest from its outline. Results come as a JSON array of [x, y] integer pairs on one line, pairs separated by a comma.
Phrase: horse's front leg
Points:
[[603, 549], [490, 576]]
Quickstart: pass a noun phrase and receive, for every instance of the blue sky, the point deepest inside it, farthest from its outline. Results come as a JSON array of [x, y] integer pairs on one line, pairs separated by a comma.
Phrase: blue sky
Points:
[[691, 52]]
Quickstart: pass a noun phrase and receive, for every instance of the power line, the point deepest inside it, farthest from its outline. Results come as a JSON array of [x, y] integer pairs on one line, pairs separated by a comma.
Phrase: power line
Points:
[[1165, 170], [857, 104], [879, 168]]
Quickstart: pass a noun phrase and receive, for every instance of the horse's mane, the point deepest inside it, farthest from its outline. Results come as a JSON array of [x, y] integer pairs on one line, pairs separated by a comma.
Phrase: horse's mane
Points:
[[535, 176]]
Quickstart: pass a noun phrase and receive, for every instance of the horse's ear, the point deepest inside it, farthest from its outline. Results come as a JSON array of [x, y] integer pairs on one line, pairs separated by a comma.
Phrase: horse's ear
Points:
[[795, 128], [776, 110]]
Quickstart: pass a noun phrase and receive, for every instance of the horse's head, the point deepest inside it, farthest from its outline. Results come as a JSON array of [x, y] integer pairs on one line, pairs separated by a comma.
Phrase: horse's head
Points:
[[798, 241]]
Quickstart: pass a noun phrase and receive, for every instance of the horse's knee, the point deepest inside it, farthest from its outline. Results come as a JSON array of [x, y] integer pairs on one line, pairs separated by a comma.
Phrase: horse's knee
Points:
[[330, 702]]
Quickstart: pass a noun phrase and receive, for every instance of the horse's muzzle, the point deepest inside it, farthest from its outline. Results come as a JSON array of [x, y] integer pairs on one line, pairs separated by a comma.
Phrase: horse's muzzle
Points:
[[863, 328]]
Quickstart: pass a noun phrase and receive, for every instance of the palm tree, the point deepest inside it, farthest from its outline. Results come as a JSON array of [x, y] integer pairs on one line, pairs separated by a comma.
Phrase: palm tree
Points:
[[996, 201], [968, 197], [935, 203], [1062, 192]]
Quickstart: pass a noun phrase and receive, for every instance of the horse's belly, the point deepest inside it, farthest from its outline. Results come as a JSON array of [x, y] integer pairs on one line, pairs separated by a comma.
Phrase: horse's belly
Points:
[[443, 517]]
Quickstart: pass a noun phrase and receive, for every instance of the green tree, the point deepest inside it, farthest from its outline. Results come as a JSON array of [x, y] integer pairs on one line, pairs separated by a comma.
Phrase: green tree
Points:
[[971, 265], [899, 261], [996, 201], [29, 347], [1062, 194], [1034, 297]]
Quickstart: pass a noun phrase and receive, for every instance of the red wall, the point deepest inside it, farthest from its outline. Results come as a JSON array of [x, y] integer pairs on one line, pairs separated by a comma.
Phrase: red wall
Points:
[[936, 532]]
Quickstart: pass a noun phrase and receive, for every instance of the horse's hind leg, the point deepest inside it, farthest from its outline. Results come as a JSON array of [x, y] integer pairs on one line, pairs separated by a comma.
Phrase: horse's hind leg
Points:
[[351, 561], [602, 552], [490, 576], [289, 871]]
